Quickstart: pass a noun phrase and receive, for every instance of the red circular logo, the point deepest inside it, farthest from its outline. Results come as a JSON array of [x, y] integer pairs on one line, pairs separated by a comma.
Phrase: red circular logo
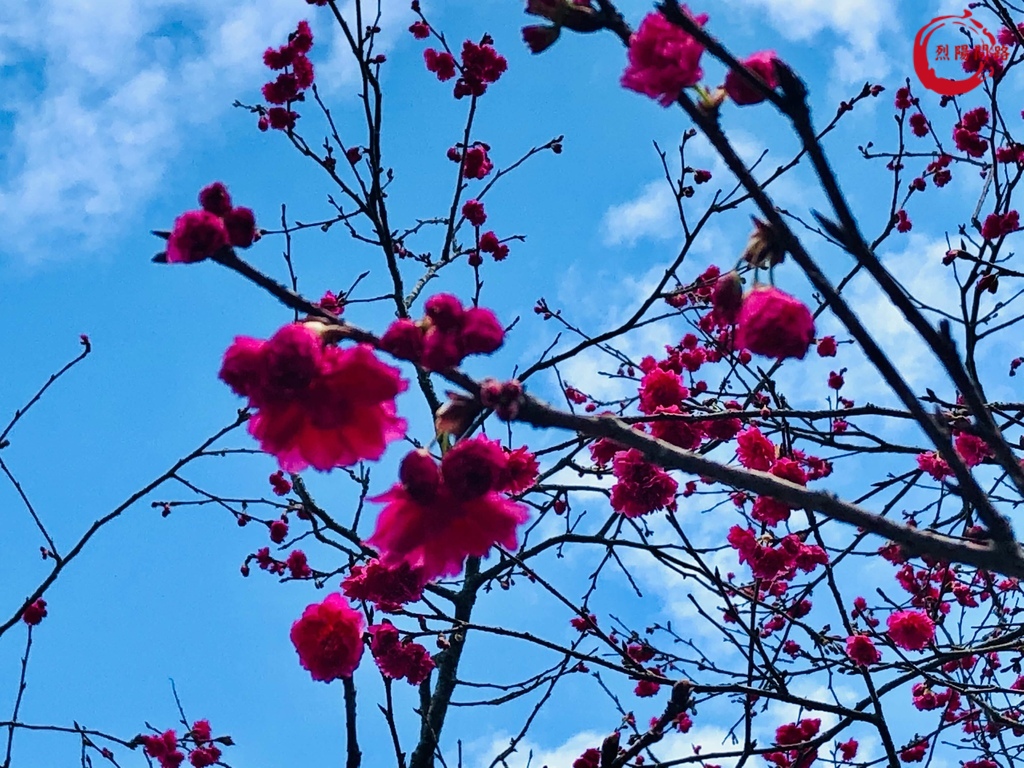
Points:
[[927, 52]]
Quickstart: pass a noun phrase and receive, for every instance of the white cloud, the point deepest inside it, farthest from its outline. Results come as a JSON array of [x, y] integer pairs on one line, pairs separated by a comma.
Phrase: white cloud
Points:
[[651, 214], [919, 269], [103, 102], [858, 23]]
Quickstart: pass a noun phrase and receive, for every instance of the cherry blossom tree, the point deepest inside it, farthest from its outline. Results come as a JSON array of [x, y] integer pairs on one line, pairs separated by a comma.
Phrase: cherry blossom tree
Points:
[[849, 570]]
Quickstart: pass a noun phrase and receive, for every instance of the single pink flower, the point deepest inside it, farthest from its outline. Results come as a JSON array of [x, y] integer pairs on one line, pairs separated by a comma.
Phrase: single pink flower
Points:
[[827, 347], [911, 630], [329, 638], [972, 449], [387, 588], [241, 227], [848, 749], [663, 59], [437, 516], [774, 324], [934, 465], [520, 472], [646, 688], [862, 651], [196, 235], [318, 406], [474, 212], [761, 64], [661, 389], [34, 613], [914, 753], [754, 450]]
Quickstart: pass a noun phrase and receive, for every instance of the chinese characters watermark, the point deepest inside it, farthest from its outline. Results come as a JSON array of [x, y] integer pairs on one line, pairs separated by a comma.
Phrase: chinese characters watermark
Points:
[[980, 47]]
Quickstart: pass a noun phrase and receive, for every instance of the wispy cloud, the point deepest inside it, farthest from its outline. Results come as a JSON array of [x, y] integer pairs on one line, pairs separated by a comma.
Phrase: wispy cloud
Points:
[[858, 23], [103, 103], [651, 214]]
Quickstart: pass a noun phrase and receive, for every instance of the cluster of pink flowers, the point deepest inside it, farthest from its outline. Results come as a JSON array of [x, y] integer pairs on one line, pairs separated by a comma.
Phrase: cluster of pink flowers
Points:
[[290, 85], [481, 66], [664, 59], [903, 222], [965, 132], [640, 486], [164, 747], [591, 758], [318, 405], [397, 659], [280, 484], [584, 624], [983, 59], [926, 700], [448, 334], [206, 752], [489, 243], [915, 752], [1007, 36], [919, 124], [997, 225], [389, 589], [438, 515], [793, 734], [972, 450], [329, 638], [755, 451], [475, 163], [197, 235], [939, 170], [296, 564], [903, 99], [775, 562], [1012, 153], [699, 291]]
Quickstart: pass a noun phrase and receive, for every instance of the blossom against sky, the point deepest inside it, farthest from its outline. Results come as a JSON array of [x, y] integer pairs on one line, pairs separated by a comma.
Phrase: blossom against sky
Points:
[[116, 117]]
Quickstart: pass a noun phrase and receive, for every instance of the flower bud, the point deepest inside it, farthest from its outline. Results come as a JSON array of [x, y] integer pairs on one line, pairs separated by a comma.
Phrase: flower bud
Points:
[[727, 297], [419, 474]]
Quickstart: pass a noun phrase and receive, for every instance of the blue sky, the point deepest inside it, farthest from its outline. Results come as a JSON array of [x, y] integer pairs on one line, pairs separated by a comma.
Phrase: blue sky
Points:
[[116, 113]]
